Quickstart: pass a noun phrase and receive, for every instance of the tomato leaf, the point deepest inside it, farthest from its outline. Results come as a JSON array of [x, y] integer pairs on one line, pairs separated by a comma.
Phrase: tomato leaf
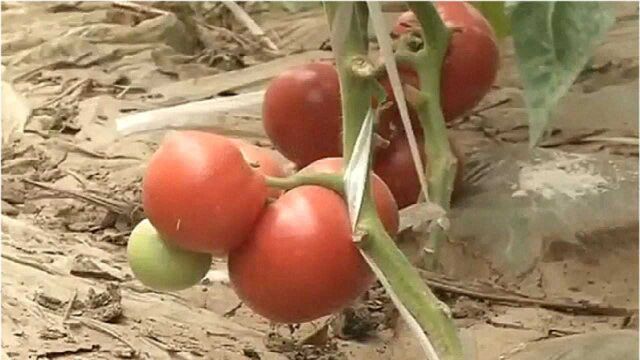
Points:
[[495, 13], [357, 170], [553, 41]]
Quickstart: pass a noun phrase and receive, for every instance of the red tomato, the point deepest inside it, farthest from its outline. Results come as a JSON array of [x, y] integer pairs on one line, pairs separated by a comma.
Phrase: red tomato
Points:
[[262, 160], [302, 115], [300, 263], [406, 22], [472, 60], [395, 167], [392, 124], [200, 193], [385, 202]]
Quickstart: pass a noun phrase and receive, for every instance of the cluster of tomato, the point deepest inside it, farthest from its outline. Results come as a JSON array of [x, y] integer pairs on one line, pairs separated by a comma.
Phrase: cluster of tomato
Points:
[[290, 254], [302, 110]]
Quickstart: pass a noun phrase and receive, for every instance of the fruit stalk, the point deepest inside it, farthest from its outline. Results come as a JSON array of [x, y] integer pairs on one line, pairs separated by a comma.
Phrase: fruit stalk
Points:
[[442, 164], [330, 181], [396, 272]]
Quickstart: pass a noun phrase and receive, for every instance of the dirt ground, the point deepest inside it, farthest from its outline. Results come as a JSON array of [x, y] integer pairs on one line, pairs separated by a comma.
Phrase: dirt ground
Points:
[[71, 186]]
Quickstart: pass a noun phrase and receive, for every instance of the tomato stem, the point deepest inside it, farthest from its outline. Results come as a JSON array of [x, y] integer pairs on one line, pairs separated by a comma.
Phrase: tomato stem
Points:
[[401, 279], [441, 167], [331, 181], [406, 58]]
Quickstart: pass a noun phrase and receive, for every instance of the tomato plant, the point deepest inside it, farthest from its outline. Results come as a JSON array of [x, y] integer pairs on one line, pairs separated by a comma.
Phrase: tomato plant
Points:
[[262, 160], [295, 259], [301, 113], [200, 193], [161, 265], [301, 263]]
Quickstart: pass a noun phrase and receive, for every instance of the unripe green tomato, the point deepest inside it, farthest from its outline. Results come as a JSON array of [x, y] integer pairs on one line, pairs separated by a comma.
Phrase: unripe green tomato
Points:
[[161, 265]]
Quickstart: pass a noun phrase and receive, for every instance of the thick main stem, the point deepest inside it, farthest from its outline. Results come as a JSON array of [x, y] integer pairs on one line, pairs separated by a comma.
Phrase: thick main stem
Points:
[[441, 166], [404, 280]]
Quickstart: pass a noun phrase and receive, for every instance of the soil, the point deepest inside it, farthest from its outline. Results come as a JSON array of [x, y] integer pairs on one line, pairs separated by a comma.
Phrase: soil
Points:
[[71, 187]]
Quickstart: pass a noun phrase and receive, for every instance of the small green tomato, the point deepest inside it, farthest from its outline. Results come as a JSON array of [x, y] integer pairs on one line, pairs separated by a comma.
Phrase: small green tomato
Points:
[[160, 265]]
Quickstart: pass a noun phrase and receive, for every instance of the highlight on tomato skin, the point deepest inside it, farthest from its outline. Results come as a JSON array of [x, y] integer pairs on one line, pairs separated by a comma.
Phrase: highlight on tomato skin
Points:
[[472, 61], [300, 263], [200, 193], [302, 113]]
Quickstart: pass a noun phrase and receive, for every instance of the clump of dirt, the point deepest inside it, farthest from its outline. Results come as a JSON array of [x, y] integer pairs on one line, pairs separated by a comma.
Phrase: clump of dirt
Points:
[[104, 306], [327, 349], [362, 321], [563, 175]]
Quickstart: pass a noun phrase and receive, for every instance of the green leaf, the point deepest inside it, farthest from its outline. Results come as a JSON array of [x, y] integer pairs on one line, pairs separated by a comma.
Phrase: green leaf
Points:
[[495, 13], [553, 41]]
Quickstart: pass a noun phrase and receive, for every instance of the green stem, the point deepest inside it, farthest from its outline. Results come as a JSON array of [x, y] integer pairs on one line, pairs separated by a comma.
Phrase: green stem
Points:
[[404, 280], [331, 181], [428, 311], [441, 164]]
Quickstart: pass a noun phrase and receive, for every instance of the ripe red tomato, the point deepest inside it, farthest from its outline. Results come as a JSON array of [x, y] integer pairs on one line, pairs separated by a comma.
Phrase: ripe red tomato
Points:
[[472, 60], [385, 202], [200, 193], [300, 263], [302, 114], [395, 167], [406, 22], [262, 160], [391, 123]]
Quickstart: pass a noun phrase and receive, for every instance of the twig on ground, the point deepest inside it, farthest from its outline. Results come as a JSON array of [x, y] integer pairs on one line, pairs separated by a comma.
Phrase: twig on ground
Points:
[[241, 40], [572, 139], [123, 92], [618, 140], [68, 91], [477, 112], [9, 164], [92, 153], [67, 311], [139, 8], [33, 264], [232, 312], [51, 66], [95, 325], [491, 106], [583, 307], [79, 178], [118, 207], [251, 25]]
